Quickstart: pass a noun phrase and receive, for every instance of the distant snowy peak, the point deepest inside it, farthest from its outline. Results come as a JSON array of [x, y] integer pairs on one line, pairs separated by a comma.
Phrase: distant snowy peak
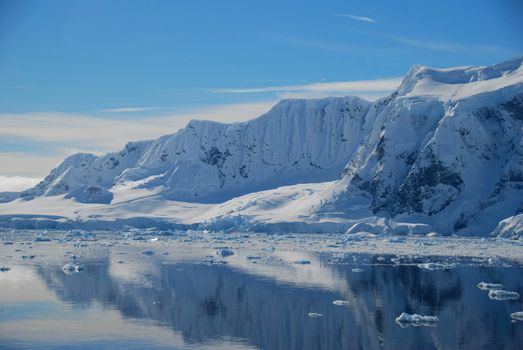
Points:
[[460, 82]]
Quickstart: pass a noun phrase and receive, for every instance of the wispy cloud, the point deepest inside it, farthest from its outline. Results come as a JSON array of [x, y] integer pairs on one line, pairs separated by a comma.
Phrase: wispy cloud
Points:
[[356, 18], [26, 86], [449, 46], [378, 87], [130, 109], [16, 183]]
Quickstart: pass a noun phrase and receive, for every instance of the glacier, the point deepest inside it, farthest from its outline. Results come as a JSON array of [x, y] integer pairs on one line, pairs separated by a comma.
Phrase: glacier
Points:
[[443, 153]]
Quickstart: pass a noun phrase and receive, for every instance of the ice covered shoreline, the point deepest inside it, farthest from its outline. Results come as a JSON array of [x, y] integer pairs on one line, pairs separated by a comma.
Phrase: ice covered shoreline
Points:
[[408, 249]]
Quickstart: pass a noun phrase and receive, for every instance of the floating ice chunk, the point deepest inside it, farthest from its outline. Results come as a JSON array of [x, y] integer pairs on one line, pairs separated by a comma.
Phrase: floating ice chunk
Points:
[[431, 234], [315, 314], [302, 262], [70, 268], [397, 239], [147, 252], [517, 315], [416, 320], [4, 268], [493, 261], [435, 266], [489, 286], [357, 270], [500, 294], [340, 302], [155, 239], [224, 252]]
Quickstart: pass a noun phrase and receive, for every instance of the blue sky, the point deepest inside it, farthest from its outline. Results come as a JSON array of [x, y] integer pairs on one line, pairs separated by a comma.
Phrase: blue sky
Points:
[[130, 63]]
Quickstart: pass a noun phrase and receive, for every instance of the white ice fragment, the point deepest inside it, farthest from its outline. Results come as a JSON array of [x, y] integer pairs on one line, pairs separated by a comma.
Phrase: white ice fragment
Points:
[[155, 239], [357, 270], [489, 286], [517, 315], [416, 320], [224, 252], [340, 302], [315, 314], [397, 239], [435, 266], [70, 268], [500, 294]]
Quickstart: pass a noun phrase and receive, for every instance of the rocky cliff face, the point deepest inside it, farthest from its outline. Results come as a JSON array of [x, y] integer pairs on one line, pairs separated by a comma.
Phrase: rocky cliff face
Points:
[[446, 148]]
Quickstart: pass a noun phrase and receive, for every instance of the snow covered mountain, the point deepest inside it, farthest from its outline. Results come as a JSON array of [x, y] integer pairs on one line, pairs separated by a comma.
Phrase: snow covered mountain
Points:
[[445, 149], [444, 152], [297, 141]]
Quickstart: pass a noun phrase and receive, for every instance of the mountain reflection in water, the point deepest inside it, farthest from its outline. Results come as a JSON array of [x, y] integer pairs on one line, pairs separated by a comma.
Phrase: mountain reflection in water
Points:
[[230, 306]]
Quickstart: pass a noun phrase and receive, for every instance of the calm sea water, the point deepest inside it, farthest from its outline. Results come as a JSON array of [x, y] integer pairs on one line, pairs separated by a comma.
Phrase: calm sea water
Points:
[[117, 302]]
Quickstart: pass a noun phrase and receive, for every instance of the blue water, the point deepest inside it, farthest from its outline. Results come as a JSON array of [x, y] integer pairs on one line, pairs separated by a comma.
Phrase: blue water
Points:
[[151, 304]]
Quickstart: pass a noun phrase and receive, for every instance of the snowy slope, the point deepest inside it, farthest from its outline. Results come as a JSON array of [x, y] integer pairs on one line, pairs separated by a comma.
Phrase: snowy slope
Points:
[[446, 149], [296, 141], [444, 153]]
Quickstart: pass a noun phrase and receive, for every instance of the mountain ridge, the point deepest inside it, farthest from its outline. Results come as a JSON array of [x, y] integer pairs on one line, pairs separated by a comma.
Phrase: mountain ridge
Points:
[[443, 152]]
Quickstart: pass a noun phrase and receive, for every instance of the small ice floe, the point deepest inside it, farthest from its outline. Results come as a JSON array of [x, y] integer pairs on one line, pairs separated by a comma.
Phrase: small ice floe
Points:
[[489, 286], [431, 234], [397, 239], [494, 261], [224, 252], [416, 320], [71, 268], [303, 262], [500, 294], [435, 266], [4, 268], [340, 302], [517, 316], [315, 314], [357, 270], [380, 258], [147, 252], [155, 239]]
